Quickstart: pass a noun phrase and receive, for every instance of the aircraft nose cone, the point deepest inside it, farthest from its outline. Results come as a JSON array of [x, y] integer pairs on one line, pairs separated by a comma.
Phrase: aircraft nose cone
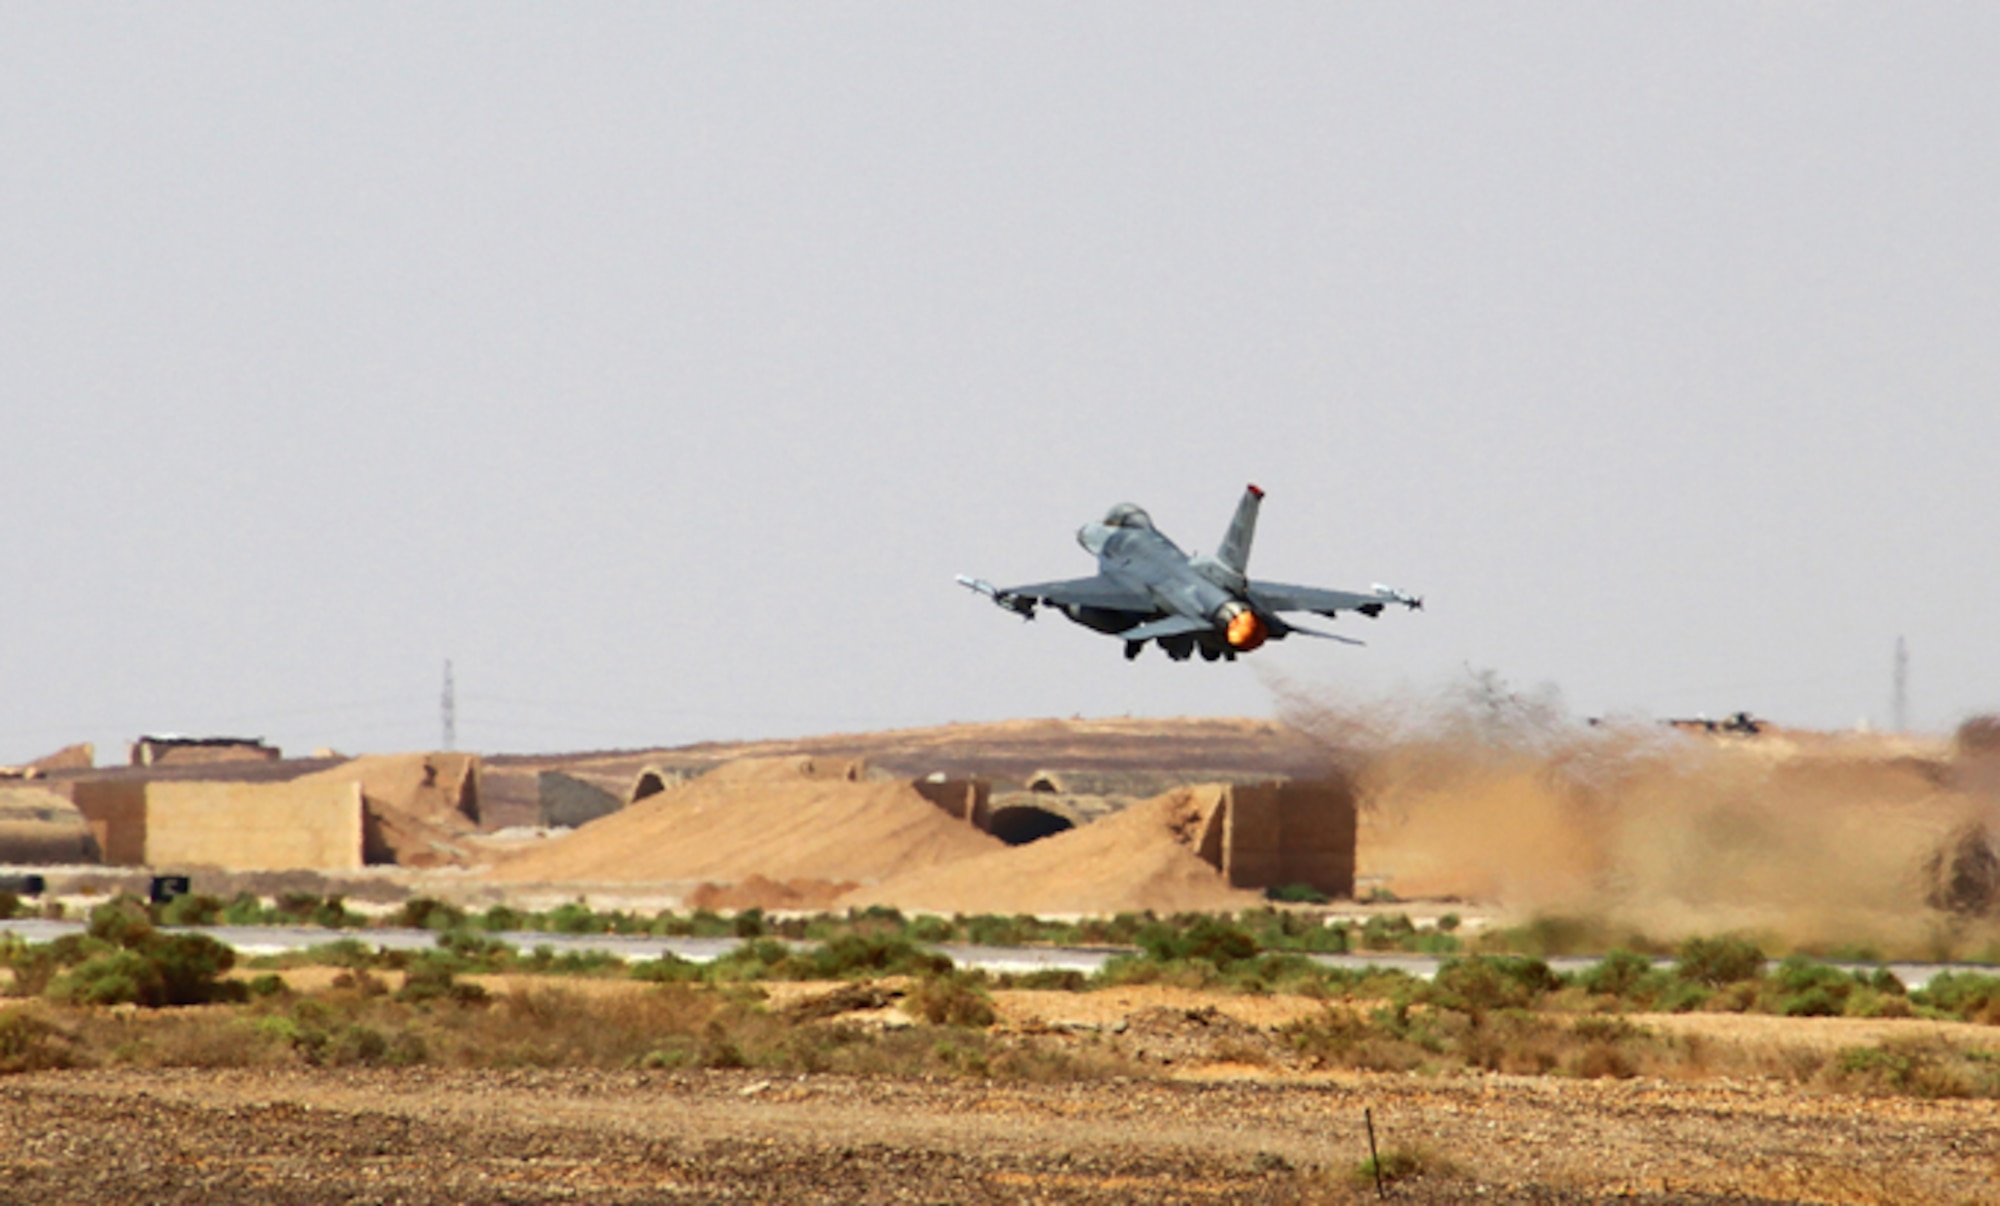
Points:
[[1092, 537]]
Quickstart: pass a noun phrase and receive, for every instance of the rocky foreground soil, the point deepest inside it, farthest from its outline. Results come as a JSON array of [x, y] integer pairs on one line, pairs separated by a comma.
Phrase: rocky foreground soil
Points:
[[438, 1136]]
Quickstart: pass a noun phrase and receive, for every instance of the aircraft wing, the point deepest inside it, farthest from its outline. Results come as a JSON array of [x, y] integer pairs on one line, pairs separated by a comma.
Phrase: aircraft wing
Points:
[[1277, 596]]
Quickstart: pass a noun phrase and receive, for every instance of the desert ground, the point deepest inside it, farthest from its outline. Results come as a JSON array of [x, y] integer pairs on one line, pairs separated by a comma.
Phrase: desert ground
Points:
[[1152, 1093], [436, 1136], [1207, 1110]]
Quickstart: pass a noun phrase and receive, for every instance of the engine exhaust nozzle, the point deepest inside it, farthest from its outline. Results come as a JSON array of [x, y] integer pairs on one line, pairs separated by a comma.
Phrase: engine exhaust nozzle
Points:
[[1241, 627]]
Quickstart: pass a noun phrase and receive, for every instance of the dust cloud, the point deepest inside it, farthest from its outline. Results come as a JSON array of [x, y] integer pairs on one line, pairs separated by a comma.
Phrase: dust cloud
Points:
[[1816, 840]]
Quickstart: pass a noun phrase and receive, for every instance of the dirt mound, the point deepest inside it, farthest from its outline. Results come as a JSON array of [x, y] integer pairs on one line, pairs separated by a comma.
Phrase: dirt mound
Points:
[[756, 820], [1006, 752], [1139, 859], [758, 892], [790, 767]]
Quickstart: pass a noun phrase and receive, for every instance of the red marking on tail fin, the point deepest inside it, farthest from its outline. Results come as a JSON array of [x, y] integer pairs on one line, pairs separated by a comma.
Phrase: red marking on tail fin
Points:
[[1254, 491]]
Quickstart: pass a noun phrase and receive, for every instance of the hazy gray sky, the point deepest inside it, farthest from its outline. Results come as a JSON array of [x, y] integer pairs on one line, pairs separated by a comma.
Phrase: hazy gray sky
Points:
[[660, 364]]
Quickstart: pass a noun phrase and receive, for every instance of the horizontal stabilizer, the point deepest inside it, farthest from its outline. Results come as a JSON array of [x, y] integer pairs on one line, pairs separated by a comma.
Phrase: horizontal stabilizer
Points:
[[1324, 636]]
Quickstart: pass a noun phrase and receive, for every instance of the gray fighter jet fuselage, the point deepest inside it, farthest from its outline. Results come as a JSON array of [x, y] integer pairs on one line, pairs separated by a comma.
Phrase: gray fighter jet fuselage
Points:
[[1147, 589]]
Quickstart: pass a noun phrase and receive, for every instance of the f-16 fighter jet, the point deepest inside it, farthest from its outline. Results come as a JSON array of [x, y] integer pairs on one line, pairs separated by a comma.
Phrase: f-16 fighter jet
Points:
[[1147, 589]]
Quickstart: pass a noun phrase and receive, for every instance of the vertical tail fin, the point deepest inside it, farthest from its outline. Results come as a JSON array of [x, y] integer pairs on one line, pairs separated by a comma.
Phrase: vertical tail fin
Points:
[[1234, 552]]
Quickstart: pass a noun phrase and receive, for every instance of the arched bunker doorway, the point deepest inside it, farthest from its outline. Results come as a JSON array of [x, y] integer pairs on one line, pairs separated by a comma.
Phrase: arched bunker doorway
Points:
[[651, 782], [1019, 824]]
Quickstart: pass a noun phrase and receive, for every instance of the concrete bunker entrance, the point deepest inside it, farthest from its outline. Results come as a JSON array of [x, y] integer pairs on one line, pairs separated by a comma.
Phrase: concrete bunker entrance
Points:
[[1019, 824], [651, 782]]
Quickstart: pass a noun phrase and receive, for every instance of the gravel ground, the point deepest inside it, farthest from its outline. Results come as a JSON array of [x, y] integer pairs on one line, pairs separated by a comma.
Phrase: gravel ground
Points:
[[437, 1136]]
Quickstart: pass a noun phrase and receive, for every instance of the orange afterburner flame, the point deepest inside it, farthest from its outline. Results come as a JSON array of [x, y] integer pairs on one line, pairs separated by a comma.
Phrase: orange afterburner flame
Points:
[[1246, 631]]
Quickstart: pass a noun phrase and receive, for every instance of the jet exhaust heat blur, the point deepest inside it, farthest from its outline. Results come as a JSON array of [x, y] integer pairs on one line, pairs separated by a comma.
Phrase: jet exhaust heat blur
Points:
[[1147, 589]]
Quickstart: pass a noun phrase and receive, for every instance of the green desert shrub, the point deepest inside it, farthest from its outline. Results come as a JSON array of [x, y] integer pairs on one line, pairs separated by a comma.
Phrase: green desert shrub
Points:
[[702, 923], [243, 909], [932, 928], [1210, 939], [424, 913], [466, 950], [1718, 962], [350, 953], [121, 959], [1966, 996], [121, 921], [993, 930], [1626, 975], [184, 969], [669, 968], [432, 979], [193, 909], [116, 977], [192, 967], [1119, 930], [864, 955], [1290, 930], [34, 964], [544, 961], [1914, 1068], [500, 917], [1387, 932], [1478, 983], [1684, 996], [576, 917], [1800, 987], [30, 1042], [950, 1000]]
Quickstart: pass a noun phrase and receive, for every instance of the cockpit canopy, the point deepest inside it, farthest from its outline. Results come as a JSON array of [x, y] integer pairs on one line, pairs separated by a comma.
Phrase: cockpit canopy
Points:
[[1128, 515]]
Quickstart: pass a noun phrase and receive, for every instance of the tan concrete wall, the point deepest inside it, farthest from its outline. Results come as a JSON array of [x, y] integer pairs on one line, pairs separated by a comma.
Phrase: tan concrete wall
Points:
[[81, 756], [166, 753], [961, 799], [116, 812], [40, 826], [304, 824], [1252, 850], [1268, 835], [1317, 838]]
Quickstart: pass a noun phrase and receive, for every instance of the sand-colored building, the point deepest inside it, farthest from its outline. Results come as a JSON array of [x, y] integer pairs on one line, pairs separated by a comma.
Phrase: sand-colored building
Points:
[[39, 826], [300, 814], [297, 824]]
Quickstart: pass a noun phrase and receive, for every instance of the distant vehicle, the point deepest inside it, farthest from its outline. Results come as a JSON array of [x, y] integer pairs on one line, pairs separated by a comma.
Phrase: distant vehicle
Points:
[[1147, 589]]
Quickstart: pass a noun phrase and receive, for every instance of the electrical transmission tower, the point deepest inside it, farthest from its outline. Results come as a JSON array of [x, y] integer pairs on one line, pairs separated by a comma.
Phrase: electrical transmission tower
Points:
[[1900, 705], [448, 709]]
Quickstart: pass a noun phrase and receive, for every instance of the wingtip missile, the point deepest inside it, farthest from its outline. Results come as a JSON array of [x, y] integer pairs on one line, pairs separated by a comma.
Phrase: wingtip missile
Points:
[[1392, 595], [1025, 608]]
